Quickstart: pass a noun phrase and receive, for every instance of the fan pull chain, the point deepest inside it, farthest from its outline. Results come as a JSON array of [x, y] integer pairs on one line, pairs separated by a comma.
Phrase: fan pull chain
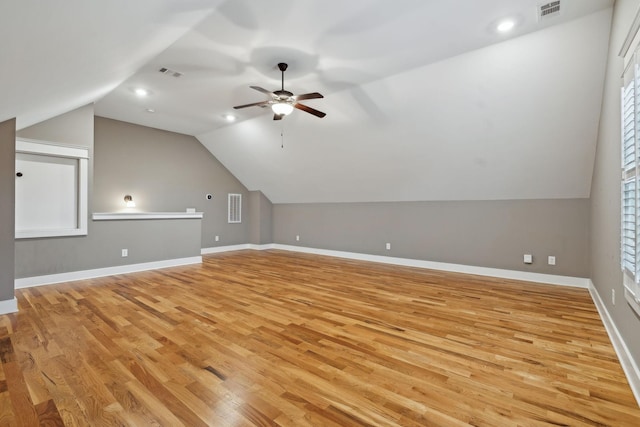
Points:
[[282, 136]]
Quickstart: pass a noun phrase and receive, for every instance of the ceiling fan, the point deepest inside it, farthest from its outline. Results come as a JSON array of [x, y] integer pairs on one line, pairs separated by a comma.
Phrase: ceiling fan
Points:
[[282, 102]]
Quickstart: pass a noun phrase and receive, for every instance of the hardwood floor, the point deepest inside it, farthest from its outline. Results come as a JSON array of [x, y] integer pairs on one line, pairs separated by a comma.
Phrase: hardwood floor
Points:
[[275, 338]]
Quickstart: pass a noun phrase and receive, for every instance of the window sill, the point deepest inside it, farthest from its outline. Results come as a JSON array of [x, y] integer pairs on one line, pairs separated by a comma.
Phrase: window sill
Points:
[[632, 301]]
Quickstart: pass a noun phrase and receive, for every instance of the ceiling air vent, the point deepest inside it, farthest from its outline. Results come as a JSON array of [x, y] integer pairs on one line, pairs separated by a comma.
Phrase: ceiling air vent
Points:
[[549, 10], [170, 72]]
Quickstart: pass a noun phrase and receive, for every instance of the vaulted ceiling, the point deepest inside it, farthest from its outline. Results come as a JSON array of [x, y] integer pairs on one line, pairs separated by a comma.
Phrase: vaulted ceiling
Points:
[[424, 99]]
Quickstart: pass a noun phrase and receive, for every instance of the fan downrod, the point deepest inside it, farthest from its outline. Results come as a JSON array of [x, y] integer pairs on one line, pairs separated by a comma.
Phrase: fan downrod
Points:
[[283, 67]]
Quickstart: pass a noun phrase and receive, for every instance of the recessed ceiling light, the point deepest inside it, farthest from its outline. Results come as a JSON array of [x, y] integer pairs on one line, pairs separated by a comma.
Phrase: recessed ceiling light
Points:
[[506, 25], [150, 110], [141, 92], [230, 118]]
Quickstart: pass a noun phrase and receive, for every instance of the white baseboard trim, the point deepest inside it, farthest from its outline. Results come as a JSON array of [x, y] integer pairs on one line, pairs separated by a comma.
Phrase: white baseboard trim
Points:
[[9, 306], [262, 247], [220, 249], [629, 365], [231, 248], [579, 282], [28, 282]]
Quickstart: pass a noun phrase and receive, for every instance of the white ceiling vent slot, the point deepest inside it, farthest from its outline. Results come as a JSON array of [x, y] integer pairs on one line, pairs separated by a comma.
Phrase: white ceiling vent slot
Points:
[[549, 10], [170, 72], [235, 208]]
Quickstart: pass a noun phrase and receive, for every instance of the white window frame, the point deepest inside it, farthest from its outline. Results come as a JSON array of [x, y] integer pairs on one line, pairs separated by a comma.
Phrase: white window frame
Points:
[[630, 166], [81, 155]]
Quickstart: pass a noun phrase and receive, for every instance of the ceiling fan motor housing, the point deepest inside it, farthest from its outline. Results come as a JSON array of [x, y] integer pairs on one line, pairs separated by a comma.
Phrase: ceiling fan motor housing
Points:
[[284, 95]]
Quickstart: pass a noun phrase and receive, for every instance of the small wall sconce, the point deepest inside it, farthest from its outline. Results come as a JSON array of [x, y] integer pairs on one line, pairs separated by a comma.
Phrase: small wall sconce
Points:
[[129, 200]]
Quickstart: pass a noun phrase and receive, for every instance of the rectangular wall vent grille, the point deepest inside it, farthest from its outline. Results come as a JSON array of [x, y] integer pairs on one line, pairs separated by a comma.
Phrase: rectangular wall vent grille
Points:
[[549, 9], [235, 208], [170, 72]]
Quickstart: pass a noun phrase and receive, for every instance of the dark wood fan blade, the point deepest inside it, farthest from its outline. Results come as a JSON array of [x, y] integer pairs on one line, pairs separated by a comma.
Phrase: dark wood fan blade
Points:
[[259, 89], [278, 116], [312, 95], [310, 110], [254, 104]]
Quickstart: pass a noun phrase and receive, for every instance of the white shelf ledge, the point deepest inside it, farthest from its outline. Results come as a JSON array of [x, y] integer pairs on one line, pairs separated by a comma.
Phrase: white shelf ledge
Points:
[[116, 216]]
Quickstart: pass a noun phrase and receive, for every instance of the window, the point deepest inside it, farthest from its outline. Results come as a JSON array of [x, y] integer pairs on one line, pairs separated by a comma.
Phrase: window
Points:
[[235, 208], [630, 177], [51, 190]]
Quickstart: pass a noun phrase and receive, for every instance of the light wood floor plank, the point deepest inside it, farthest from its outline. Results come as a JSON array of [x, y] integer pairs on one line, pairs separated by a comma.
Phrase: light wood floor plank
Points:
[[274, 338]]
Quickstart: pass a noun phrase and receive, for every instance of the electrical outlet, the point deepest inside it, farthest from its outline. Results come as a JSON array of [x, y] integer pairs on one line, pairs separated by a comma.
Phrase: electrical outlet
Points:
[[551, 260], [528, 259], [297, 238], [217, 238], [613, 296], [125, 253], [388, 246]]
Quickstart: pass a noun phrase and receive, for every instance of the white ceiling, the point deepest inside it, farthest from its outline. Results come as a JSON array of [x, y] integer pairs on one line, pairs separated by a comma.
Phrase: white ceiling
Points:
[[60, 55], [424, 100]]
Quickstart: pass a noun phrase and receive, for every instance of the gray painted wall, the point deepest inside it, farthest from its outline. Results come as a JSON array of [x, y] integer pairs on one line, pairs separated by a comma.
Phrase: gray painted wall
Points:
[[165, 171], [481, 233], [260, 218], [118, 158], [74, 128], [146, 241], [605, 188], [266, 220], [7, 207]]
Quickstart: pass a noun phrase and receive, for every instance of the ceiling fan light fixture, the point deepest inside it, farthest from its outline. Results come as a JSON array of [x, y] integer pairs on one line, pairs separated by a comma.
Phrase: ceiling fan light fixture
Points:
[[282, 108]]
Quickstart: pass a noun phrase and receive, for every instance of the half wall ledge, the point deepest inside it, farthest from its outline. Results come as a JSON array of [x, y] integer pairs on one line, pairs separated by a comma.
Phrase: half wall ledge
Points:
[[116, 216]]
